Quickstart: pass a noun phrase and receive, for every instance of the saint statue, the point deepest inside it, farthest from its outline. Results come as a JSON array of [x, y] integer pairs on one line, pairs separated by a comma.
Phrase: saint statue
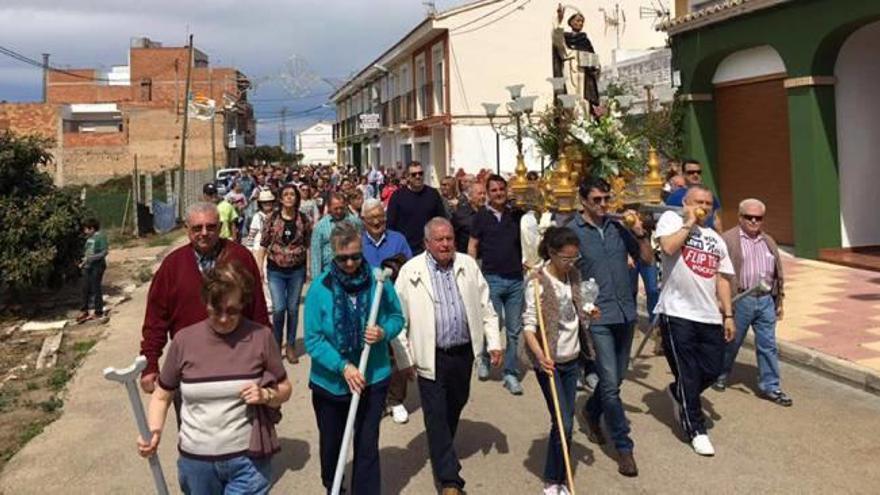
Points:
[[575, 59]]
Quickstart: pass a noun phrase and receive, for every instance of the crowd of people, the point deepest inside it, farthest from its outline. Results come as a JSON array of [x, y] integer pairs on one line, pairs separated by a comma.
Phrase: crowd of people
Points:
[[476, 283]]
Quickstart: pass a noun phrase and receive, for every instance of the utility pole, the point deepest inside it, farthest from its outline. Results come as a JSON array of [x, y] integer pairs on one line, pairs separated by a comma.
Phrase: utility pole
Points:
[[45, 77], [213, 122], [283, 129], [182, 189]]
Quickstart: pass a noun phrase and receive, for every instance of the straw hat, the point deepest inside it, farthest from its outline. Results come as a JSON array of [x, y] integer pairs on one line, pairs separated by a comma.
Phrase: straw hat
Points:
[[265, 197]]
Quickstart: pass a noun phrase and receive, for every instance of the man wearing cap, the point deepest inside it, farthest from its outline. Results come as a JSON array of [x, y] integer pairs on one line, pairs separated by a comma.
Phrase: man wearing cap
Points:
[[227, 212]]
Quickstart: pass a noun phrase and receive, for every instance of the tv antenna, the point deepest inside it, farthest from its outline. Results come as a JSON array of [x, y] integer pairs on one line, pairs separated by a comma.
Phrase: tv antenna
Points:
[[430, 7], [615, 21], [658, 11]]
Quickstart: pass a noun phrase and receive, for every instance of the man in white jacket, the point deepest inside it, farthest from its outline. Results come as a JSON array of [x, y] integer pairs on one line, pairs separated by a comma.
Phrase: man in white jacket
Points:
[[445, 302]]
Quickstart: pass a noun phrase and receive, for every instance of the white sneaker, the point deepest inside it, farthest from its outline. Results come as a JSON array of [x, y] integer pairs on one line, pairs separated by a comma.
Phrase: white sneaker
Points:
[[551, 490], [399, 414], [702, 445]]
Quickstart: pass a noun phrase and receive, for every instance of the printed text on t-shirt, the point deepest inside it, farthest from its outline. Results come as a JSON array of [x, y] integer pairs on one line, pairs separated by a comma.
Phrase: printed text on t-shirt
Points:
[[701, 255]]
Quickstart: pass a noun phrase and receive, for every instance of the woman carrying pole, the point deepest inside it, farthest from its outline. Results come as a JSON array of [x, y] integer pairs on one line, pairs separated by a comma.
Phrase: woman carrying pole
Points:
[[555, 329], [336, 331]]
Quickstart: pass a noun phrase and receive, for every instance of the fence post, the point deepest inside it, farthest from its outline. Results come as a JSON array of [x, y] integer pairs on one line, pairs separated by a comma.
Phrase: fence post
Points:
[[148, 191], [135, 196], [178, 194]]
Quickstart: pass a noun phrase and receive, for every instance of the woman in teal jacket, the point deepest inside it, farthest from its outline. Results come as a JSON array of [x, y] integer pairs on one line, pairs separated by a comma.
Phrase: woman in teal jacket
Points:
[[336, 311]]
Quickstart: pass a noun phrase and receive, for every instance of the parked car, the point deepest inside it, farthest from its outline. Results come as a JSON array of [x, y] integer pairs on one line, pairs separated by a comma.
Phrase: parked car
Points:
[[222, 179]]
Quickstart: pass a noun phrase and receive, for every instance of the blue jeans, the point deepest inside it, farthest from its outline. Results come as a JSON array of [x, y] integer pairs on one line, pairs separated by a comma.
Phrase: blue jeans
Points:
[[613, 344], [286, 289], [506, 295], [566, 391], [239, 475], [648, 272], [760, 314]]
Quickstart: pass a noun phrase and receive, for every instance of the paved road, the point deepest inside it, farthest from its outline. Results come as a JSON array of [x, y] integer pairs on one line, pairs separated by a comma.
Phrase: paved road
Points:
[[829, 442]]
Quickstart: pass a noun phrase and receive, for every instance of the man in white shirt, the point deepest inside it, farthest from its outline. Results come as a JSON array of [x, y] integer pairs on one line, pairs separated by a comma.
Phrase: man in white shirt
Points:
[[695, 270]]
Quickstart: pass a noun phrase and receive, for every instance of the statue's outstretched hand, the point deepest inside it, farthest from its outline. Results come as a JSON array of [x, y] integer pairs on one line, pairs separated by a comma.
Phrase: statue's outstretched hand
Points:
[[560, 12]]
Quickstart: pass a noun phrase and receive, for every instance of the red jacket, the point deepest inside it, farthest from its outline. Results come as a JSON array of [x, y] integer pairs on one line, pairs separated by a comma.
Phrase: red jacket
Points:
[[174, 301]]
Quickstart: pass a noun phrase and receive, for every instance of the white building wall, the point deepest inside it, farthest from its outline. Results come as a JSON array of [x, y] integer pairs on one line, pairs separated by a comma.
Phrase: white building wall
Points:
[[857, 103], [316, 144]]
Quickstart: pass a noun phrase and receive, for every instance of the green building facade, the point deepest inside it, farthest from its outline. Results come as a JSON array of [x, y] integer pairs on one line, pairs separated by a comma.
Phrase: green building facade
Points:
[[808, 36]]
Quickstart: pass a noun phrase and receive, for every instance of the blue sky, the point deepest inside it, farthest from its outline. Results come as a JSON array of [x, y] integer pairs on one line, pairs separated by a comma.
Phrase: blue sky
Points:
[[259, 37]]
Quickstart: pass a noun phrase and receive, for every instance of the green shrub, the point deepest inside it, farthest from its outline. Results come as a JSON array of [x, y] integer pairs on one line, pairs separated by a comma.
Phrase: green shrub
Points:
[[40, 238]]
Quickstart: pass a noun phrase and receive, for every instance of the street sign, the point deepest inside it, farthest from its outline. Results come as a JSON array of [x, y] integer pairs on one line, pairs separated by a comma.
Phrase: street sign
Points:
[[370, 121]]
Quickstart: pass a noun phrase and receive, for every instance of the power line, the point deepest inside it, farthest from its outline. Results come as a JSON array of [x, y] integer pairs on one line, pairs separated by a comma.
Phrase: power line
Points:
[[487, 14], [490, 22], [23, 58]]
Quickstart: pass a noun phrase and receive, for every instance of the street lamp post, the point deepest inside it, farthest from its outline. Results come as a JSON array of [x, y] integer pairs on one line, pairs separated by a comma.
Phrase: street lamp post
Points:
[[518, 108]]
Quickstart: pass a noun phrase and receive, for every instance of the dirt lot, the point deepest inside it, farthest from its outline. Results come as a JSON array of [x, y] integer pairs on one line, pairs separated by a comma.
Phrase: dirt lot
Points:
[[30, 398]]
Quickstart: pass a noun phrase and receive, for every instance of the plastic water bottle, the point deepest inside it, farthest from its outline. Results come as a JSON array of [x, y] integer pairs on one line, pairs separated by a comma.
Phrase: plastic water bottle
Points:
[[589, 293]]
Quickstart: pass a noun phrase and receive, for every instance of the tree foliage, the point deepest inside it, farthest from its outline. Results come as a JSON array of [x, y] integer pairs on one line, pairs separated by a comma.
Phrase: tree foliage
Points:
[[269, 154], [40, 239]]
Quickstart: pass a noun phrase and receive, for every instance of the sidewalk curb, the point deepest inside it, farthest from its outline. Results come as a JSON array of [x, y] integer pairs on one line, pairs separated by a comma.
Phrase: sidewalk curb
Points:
[[832, 367], [829, 366]]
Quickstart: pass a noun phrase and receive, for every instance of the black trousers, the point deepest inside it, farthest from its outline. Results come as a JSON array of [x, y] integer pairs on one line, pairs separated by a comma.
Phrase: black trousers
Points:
[[92, 296], [695, 352], [331, 412], [443, 399]]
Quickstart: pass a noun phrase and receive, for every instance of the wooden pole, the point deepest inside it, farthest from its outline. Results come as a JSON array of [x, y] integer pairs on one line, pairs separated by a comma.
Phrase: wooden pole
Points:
[[213, 123], [188, 85], [136, 195], [125, 212], [560, 426]]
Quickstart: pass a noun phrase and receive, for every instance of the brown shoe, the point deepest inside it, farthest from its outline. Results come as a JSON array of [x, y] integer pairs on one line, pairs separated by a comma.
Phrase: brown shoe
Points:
[[594, 431], [626, 464], [290, 354], [451, 490]]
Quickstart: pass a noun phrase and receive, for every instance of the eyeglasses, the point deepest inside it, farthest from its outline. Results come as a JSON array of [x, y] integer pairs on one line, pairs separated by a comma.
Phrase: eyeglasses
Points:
[[231, 311], [209, 227], [753, 218], [693, 172], [601, 199], [342, 259], [416, 174], [568, 259]]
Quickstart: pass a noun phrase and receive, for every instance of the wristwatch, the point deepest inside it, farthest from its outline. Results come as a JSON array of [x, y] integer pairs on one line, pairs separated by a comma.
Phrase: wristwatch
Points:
[[727, 316]]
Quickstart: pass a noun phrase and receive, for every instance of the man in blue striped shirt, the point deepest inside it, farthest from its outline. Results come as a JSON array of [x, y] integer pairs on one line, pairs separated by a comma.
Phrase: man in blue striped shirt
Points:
[[321, 252]]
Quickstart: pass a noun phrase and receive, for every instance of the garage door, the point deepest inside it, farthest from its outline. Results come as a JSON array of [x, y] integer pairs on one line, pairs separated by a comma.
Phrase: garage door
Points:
[[753, 152]]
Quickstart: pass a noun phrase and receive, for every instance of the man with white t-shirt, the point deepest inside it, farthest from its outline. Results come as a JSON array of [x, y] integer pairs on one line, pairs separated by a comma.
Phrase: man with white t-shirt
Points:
[[695, 270]]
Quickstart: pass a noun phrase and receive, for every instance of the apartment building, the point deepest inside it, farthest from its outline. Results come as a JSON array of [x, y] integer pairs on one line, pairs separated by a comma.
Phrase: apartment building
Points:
[[315, 144], [101, 121]]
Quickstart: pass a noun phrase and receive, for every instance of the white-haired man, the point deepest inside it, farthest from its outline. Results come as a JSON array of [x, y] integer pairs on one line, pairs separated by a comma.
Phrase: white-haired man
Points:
[[445, 302], [696, 271], [755, 257], [381, 245]]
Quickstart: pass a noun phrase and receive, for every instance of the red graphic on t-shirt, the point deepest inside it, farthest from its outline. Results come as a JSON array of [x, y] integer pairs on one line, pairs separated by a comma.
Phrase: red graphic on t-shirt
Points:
[[700, 262]]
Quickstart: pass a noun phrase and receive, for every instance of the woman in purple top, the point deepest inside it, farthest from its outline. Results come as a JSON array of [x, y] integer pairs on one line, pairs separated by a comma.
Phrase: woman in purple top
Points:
[[232, 383]]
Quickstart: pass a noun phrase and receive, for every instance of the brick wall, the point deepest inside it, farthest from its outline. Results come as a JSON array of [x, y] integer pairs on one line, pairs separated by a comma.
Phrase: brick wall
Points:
[[30, 118], [86, 139]]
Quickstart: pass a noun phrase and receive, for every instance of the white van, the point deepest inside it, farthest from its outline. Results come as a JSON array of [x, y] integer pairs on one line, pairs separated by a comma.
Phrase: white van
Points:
[[222, 178]]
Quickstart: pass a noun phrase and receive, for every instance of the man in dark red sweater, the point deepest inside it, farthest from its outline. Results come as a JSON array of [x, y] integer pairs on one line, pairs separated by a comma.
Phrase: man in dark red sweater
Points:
[[174, 300]]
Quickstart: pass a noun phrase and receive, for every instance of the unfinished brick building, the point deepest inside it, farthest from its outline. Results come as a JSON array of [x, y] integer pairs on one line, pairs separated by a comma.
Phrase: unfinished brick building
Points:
[[102, 120]]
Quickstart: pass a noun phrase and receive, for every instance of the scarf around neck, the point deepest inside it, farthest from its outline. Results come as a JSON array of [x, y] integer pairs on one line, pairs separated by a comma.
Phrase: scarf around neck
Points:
[[350, 317]]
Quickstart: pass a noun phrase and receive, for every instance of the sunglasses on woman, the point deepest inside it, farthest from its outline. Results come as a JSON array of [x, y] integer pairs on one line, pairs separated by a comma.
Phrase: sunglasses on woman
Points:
[[342, 259]]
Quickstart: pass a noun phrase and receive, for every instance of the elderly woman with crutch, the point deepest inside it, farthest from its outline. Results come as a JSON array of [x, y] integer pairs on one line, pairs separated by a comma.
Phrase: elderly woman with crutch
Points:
[[340, 323], [555, 329], [232, 383]]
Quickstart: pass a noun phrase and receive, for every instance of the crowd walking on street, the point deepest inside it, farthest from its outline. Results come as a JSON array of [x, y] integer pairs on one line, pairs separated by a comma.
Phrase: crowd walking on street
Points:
[[476, 283]]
